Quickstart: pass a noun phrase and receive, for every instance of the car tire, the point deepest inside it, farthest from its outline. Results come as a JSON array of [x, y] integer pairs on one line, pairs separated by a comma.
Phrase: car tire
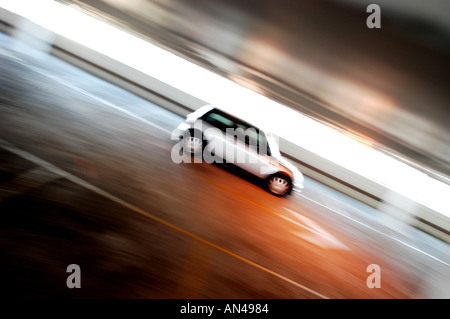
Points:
[[193, 142], [279, 184]]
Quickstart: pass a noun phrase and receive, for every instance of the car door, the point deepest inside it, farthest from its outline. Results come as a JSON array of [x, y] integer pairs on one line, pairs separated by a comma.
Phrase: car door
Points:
[[214, 127], [252, 152]]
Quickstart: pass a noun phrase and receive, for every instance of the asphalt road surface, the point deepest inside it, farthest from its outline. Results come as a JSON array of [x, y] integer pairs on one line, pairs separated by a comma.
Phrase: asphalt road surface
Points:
[[86, 178]]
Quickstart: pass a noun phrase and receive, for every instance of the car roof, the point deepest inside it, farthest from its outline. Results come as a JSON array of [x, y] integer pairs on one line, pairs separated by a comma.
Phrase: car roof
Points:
[[269, 135], [207, 108]]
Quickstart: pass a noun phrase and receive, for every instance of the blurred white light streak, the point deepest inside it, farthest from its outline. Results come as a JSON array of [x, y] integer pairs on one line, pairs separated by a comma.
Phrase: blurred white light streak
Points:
[[132, 51]]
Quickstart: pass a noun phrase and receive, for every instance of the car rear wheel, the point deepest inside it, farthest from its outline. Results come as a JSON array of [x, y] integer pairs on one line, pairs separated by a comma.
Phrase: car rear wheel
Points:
[[279, 184], [193, 142]]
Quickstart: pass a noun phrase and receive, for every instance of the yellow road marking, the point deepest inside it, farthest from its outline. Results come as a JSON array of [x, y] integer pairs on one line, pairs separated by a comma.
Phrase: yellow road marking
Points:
[[87, 185], [194, 275], [309, 225]]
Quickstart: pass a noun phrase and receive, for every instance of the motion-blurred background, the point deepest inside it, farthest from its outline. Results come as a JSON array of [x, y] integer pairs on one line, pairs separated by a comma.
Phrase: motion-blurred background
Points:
[[86, 117]]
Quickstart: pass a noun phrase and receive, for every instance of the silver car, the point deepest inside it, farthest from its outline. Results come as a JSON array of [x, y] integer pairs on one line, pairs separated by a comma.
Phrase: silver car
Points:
[[218, 137]]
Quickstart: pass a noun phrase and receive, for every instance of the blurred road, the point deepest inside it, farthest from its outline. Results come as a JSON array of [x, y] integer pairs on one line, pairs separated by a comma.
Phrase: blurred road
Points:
[[86, 178]]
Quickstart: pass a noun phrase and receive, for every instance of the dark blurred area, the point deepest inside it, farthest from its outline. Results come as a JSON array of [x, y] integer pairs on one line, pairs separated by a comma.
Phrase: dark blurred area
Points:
[[387, 84]]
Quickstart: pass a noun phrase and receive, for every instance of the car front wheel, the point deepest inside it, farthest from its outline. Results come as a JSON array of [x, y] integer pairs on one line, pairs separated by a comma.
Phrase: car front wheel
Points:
[[279, 184]]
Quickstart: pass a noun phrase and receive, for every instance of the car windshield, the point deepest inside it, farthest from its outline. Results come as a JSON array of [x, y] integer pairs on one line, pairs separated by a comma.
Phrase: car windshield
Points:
[[273, 145]]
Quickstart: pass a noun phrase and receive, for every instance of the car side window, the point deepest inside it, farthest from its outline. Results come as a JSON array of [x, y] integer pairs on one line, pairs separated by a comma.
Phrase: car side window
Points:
[[263, 144], [218, 120], [246, 134], [253, 137], [250, 135]]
